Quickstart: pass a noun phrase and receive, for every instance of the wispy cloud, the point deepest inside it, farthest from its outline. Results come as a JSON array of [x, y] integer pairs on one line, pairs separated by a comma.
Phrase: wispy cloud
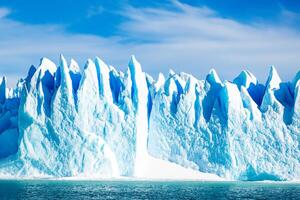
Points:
[[4, 12], [191, 39], [195, 39], [95, 10]]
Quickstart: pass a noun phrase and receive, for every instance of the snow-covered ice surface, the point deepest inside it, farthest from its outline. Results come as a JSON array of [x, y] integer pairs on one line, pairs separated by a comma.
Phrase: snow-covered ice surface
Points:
[[101, 123]]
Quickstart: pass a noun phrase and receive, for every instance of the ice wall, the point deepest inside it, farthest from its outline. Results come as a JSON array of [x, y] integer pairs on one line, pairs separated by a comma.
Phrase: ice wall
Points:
[[60, 121]]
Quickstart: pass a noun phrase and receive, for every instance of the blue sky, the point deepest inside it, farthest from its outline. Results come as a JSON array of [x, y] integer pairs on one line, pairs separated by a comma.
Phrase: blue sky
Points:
[[190, 36]]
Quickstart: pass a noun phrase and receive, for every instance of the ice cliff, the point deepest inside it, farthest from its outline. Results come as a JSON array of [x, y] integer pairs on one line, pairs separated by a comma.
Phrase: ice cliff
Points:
[[60, 121]]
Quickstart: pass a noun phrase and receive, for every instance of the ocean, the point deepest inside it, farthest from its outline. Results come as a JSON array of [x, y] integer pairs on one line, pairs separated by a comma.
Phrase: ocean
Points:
[[72, 190]]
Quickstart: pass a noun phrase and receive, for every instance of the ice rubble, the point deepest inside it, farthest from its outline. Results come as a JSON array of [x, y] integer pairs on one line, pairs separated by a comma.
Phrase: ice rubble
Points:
[[103, 123]]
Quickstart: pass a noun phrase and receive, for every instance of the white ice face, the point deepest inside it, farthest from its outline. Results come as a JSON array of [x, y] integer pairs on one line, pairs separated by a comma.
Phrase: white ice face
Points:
[[103, 123]]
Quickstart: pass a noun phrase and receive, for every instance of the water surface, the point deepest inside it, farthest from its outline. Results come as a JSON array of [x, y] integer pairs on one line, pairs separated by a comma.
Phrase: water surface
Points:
[[72, 190]]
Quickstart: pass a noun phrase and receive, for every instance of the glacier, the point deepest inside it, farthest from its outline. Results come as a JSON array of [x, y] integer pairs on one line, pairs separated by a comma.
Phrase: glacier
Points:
[[99, 122]]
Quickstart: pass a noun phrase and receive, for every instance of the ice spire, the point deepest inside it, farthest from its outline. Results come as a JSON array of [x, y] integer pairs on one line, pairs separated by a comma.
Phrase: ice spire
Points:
[[213, 85], [171, 72], [160, 81], [3, 90], [170, 87], [273, 79], [296, 91], [45, 72], [295, 80], [245, 78], [231, 102], [30, 74], [140, 101], [272, 84], [46, 65], [297, 98], [103, 78], [213, 77], [137, 77], [63, 102], [65, 80], [31, 71], [73, 67], [75, 75]]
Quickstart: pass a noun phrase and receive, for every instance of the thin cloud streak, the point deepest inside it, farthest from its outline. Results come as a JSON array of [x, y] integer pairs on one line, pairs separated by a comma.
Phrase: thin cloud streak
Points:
[[189, 39], [4, 12]]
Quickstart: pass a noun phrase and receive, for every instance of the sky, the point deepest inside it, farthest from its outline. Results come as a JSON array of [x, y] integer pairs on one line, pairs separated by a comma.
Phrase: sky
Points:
[[189, 36]]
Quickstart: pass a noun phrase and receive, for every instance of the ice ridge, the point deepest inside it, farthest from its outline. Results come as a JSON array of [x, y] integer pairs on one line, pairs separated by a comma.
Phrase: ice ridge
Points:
[[60, 121]]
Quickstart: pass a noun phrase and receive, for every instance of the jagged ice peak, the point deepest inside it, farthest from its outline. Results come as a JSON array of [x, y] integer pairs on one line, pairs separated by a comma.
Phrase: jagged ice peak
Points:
[[61, 121]]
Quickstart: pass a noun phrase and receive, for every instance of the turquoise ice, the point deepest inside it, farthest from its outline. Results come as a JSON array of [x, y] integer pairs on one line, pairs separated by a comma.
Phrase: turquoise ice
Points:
[[60, 121]]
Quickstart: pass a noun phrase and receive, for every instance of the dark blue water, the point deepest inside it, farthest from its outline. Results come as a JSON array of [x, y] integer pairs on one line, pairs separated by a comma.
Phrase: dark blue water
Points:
[[71, 190]]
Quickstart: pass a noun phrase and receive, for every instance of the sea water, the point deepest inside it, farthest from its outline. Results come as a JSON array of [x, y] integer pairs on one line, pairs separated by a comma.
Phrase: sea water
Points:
[[72, 190]]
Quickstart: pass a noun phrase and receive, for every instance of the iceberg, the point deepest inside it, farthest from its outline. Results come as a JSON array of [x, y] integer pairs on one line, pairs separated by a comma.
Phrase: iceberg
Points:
[[60, 121]]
